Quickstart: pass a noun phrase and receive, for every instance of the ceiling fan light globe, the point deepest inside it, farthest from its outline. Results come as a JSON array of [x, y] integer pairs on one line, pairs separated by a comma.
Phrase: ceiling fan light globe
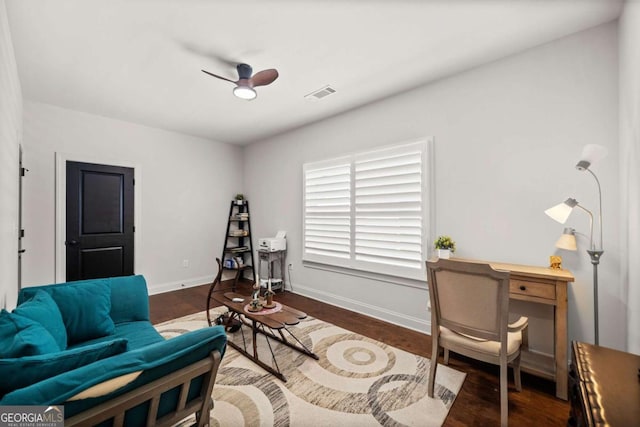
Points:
[[245, 92]]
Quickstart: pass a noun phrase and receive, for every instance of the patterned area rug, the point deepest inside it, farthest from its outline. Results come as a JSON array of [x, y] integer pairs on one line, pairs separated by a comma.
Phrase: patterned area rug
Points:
[[358, 381]]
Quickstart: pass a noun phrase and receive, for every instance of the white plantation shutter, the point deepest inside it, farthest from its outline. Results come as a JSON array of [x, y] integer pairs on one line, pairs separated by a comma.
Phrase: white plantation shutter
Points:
[[327, 210], [369, 211], [389, 207]]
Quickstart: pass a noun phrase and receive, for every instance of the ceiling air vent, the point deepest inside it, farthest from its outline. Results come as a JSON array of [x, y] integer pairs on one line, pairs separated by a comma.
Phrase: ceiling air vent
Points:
[[320, 93]]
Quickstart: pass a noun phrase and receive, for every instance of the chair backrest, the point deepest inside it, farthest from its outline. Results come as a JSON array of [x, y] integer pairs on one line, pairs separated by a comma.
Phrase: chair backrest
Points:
[[469, 298]]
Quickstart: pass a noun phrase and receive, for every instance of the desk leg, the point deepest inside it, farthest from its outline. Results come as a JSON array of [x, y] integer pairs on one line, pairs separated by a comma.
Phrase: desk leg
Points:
[[561, 342]]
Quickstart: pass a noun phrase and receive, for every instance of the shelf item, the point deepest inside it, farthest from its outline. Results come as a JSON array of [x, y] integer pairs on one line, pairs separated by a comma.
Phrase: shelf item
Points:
[[237, 254]]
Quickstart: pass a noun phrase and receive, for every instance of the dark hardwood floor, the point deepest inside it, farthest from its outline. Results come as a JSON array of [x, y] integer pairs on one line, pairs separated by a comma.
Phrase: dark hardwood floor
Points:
[[477, 404]]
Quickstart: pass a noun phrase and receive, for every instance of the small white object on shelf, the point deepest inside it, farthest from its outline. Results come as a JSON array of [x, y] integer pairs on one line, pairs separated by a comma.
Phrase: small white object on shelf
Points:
[[273, 244]]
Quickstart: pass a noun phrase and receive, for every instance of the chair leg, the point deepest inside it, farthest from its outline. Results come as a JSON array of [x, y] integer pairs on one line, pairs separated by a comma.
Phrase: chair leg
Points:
[[516, 373], [504, 402], [435, 349], [446, 356]]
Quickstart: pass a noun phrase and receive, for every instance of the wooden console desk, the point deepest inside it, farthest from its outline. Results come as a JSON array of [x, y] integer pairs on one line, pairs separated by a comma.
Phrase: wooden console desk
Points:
[[542, 285]]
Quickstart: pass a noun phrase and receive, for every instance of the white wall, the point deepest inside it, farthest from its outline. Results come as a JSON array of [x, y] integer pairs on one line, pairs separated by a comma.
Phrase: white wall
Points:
[[507, 137], [186, 186], [629, 173], [10, 136]]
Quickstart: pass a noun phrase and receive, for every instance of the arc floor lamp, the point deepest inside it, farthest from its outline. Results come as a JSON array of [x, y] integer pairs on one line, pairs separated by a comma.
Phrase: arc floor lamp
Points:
[[590, 154]]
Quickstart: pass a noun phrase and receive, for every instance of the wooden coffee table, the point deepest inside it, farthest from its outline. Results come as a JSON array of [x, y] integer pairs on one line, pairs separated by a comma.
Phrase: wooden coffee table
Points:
[[272, 323]]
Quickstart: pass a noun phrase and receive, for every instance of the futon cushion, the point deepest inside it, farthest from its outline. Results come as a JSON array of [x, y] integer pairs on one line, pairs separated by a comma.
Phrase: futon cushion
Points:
[[85, 309], [156, 360], [139, 334], [29, 370], [129, 299], [20, 336], [44, 310]]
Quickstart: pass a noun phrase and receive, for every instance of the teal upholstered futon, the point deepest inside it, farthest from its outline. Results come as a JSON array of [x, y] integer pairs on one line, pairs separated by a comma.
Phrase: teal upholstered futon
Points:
[[89, 345]]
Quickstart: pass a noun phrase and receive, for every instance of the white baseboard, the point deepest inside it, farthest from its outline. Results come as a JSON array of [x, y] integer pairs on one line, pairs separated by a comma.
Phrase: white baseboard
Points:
[[160, 288], [401, 319]]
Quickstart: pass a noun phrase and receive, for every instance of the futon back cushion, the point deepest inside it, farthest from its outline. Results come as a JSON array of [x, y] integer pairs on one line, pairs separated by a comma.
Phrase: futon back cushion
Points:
[[29, 370], [129, 299], [20, 336], [44, 310], [85, 310], [84, 306]]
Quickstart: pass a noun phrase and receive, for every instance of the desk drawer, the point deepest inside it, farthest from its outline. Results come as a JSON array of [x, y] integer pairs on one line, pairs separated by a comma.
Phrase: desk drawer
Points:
[[533, 289]]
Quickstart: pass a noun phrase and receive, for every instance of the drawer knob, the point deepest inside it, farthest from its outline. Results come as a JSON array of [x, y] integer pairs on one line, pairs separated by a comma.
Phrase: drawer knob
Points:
[[523, 288]]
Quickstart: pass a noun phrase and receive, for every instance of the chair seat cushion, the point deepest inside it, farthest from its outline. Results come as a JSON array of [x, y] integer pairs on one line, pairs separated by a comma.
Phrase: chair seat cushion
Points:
[[449, 339]]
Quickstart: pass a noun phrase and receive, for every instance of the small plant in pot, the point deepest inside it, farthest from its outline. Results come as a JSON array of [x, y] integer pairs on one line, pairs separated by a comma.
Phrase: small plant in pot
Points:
[[239, 199], [445, 246]]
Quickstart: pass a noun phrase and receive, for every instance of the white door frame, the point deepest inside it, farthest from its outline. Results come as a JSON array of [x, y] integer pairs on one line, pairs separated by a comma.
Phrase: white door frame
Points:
[[61, 212]]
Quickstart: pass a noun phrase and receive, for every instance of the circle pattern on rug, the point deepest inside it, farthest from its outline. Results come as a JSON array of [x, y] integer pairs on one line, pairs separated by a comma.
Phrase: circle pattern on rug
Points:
[[337, 352]]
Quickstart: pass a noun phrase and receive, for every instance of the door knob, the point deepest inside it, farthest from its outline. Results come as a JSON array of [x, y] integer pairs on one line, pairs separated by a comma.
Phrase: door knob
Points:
[[72, 242]]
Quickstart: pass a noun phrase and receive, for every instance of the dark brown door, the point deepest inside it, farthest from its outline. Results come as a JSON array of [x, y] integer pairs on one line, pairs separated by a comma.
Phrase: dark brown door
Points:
[[100, 227]]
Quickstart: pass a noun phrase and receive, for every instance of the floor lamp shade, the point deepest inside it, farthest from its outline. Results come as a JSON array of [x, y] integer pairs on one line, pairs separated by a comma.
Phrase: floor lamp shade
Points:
[[591, 153], [562, 211], [568, 240]]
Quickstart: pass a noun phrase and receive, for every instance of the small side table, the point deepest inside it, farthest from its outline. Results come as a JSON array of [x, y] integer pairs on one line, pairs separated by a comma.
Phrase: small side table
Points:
[[277, 277]]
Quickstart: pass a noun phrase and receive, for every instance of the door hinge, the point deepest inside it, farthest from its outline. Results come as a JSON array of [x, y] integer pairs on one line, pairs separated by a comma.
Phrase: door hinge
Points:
[[21, 235], [134, 181], [134, 228], [23, 171]]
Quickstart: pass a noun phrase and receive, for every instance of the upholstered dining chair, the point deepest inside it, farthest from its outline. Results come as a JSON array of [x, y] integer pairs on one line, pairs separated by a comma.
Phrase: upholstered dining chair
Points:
[[470, 316]]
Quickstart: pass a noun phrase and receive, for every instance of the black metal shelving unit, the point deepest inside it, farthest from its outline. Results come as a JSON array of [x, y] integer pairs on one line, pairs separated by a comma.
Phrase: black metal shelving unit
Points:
[[238, 245]]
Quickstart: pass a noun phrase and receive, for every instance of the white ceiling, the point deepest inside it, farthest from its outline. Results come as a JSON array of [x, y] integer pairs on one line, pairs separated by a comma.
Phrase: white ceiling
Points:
[[140, 60]]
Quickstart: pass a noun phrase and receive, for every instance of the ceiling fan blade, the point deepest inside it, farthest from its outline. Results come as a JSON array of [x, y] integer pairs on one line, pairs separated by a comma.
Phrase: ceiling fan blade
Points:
[[207, 53], [264, 77], [219, 77]]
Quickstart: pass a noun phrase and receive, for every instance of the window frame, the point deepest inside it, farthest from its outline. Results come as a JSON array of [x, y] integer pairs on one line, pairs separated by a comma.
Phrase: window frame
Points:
[[350, 265]]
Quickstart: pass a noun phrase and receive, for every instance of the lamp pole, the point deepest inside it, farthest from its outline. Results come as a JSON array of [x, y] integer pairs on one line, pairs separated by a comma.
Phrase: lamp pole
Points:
[[595, 260], [593, 252]]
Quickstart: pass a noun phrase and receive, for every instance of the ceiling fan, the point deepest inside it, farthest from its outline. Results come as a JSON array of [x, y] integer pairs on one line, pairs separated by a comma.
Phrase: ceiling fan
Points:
[[247, 80]]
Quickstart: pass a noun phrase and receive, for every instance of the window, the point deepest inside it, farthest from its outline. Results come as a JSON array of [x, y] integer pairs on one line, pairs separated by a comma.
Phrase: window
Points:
[[369, 210]]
